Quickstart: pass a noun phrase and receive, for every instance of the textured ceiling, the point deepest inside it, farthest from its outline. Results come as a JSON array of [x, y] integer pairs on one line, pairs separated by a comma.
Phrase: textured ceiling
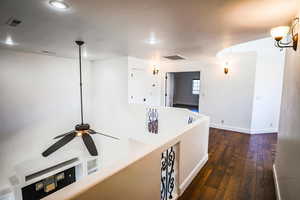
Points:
[[195, 29]]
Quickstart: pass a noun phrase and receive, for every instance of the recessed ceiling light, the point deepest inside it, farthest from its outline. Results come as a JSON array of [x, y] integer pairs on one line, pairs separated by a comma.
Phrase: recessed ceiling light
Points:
[[59, 4], [152, 39], [85, 55], [9, 41]]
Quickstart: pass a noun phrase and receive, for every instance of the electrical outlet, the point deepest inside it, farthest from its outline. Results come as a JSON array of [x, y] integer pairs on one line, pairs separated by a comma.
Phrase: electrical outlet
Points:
[[222, 121]]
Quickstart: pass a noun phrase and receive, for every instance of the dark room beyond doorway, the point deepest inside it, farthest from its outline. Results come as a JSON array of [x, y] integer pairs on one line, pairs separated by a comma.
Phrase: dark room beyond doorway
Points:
[[183, 89]]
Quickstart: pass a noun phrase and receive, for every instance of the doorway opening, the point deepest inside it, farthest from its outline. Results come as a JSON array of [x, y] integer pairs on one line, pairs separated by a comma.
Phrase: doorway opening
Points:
[[182, 90]]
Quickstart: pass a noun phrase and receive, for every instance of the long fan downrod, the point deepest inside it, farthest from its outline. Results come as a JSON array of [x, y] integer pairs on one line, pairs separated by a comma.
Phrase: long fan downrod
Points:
[[80, 43], [82, 129]]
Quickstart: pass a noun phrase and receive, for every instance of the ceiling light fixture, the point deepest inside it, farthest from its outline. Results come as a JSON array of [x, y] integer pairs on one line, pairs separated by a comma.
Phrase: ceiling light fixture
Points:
[[226, 69], [9, 41], [281, 32], [60, 4], [155, 70], [152, 39]]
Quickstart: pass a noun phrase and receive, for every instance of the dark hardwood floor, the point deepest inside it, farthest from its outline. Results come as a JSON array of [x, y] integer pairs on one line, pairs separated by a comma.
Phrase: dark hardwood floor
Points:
[[239, 168]]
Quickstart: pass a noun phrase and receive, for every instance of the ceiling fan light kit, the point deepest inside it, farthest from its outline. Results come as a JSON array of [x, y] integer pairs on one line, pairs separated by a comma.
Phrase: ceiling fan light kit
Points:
[[81, 130]]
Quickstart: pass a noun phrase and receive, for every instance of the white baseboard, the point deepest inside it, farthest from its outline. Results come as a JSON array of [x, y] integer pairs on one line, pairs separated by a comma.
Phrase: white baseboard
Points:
[[244, 130], [230, 128], [278, 196], [262, 131], [192, 175]]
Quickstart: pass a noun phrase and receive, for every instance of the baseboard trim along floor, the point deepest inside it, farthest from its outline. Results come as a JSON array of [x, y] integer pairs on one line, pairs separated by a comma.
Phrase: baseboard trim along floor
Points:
[[243, 130], [277, 189], [192, 175]]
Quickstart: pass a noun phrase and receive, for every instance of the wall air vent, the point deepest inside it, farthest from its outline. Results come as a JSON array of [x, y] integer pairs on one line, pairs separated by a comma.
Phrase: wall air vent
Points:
[[50, 169], [174, 57], [13, 22]]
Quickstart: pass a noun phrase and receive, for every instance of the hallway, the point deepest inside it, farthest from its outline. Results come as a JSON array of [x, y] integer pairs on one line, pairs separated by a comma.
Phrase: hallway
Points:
[[239, 168]]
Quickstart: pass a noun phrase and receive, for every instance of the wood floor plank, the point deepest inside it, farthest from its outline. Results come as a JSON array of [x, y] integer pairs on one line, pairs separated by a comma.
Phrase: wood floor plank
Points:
[[207, 193], [239, 168]]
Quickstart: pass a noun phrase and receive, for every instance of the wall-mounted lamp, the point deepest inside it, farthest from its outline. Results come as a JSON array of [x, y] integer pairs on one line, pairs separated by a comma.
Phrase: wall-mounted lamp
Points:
[[155, 70], [278, 33], [226, 70]]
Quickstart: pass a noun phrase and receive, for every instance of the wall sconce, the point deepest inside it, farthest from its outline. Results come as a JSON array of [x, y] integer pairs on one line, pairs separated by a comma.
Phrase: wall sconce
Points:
[[226, 70], [278, 33], [155, 70]]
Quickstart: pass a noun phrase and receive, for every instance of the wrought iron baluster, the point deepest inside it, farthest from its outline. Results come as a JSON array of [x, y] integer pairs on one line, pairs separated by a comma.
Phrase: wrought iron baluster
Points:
[[167, 174]]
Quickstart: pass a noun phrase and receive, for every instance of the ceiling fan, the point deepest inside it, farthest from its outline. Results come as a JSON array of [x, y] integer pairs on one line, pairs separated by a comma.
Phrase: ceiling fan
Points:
[[81, 130]]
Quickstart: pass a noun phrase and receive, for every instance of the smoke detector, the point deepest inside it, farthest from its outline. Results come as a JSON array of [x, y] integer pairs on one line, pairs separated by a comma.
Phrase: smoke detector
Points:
[[174, 57]]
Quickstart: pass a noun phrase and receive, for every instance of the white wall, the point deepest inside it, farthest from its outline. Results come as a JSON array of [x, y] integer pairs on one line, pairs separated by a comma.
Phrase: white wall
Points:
[[142, 84], [109, 79], [268, 83], [224, 97], [39, 100], [287, 154], [128, 184], [228, 98]]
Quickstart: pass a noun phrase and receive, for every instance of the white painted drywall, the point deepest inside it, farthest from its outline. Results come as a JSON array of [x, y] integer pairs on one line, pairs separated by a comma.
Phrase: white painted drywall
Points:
[[224, 97], [268, 83], [228, 98], [193, 153], [39, 100], [143, 86], [287, 154], [109, 90], [140, 180]]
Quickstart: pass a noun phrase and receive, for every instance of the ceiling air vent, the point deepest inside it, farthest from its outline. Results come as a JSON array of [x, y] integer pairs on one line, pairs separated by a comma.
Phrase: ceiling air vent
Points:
[[48, 52], [13, 22], [174, 57]]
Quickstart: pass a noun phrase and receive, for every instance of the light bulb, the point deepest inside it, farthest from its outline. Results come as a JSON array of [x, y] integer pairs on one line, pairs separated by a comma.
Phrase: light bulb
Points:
[[59, 4], [9, 41], [280, 32]]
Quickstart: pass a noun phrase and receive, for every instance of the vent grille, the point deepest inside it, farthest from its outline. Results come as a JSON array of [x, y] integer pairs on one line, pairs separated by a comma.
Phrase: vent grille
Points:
[[48, 52], [49, 169], [174, 57], [13, 22]]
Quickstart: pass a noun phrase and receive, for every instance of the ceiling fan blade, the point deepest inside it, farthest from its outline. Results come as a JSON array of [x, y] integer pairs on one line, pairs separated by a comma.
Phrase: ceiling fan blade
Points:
[[59, 144], [90, 145], [94, 132], [59, 136]]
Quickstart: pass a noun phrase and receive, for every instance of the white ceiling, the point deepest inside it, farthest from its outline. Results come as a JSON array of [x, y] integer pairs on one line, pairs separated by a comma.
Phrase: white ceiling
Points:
[[194, 29]]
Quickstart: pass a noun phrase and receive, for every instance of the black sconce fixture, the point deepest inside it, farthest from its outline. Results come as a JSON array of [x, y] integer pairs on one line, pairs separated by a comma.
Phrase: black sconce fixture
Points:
[[155, 70], [278, 33], [226, 70]]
